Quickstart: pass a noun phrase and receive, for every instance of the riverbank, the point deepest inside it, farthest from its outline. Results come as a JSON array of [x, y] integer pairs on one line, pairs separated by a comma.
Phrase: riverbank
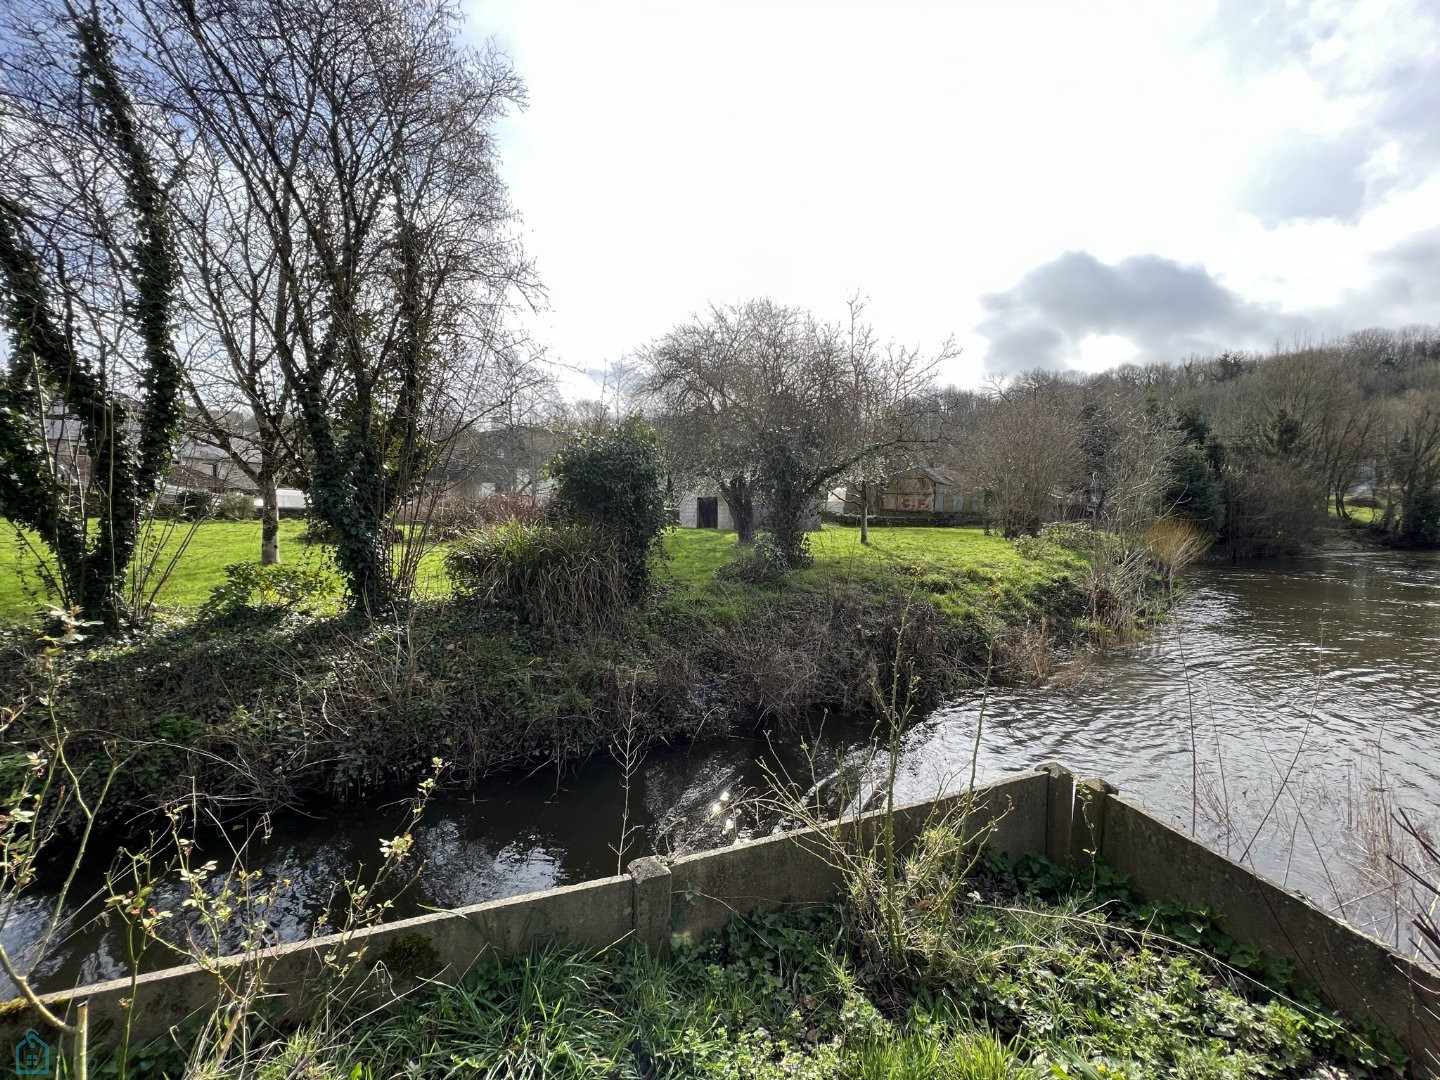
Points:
[[272, 708]]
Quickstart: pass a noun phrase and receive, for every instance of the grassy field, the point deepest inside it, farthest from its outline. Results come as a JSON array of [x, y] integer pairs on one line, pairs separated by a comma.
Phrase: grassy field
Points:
[[985, 565], [1360, 515], [963, 572], [199, 567]]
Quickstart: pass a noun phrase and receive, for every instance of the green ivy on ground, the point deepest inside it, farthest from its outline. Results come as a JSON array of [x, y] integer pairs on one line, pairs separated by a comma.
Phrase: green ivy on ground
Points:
[[1039, 977]]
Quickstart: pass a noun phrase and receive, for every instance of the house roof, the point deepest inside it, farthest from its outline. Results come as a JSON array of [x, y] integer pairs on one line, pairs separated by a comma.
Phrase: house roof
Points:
[[947, 477]]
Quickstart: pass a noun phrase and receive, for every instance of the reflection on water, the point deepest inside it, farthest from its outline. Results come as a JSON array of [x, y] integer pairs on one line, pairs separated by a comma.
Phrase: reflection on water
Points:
[[1281, 715]]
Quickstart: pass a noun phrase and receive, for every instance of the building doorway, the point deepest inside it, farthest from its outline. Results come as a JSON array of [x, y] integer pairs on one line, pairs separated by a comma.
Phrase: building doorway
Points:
[[707, 513]]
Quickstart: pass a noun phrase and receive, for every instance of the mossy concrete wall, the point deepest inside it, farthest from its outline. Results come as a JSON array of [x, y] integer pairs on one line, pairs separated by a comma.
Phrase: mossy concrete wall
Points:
[[659, 902]]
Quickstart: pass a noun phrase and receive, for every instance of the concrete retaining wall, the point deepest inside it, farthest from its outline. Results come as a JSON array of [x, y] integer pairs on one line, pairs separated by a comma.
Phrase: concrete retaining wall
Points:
[[661, 902], [1357, 974]]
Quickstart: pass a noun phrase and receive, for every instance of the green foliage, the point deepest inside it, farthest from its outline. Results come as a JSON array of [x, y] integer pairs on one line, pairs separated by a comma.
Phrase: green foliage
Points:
[[1194, 490], [1420, 518], [762, 564], [1070, 535], [1030, 988], [235, 506], [787, 489], [549, 575], [249, 586], [616, 481]]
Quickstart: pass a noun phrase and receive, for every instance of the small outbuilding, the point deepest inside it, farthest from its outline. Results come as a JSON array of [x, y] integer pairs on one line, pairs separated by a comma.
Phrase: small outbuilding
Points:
[[921, 490], [702, 507]]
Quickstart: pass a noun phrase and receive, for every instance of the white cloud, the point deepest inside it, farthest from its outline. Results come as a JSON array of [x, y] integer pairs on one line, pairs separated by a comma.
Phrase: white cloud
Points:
[[932, 153]]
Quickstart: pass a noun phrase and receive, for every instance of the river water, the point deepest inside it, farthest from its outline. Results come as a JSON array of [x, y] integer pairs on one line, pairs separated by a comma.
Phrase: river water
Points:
[[1283, 714]]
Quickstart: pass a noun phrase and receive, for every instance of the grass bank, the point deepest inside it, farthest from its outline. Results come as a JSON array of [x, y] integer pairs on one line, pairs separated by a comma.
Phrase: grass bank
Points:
[[1040, 973], [268, 708]]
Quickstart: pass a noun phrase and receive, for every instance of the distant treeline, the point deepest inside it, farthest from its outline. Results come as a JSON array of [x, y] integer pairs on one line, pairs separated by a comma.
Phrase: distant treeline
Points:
[[1256, 449]]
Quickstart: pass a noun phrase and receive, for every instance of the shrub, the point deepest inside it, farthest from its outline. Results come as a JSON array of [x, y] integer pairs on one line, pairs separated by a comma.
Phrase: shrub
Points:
[[236, 506], [1071, 535], [252, 587], [454, 515], [615, 481], [1420, 518], [762, 564], [184, 506], [546, 574]]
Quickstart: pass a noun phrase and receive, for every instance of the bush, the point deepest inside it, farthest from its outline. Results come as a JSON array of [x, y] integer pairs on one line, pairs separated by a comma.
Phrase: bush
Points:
[[1420, 518], [548, 575], [455, 515], [615, 481], [184, 506], [762, 564], [1071, 535], [236, 506], [252, 587]]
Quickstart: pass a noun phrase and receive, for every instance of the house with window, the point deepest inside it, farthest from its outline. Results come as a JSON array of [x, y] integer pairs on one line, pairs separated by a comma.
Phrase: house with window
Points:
[[924, 491]]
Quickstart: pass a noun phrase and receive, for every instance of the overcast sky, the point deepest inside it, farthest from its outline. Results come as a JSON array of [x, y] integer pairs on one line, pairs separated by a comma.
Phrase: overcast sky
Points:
[[1057, 184]]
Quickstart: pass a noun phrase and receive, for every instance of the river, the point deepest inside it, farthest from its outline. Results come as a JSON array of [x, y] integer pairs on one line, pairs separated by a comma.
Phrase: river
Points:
[[1282, 714]]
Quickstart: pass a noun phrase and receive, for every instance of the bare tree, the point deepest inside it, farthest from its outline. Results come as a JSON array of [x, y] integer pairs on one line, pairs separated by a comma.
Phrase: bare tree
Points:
[[760, 398], [711, 402], [1412, 467], [237, 315], [893, 408], [1127, 444], [1025, 451], [360, 132]]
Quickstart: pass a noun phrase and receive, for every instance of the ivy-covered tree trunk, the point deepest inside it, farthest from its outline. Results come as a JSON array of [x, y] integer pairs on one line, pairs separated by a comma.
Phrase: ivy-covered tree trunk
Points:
[[787, 492], [50, 375], [347, 494], [739, 498]]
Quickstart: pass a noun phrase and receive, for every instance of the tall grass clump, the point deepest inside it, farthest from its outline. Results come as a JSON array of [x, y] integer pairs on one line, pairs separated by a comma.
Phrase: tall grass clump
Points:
[[1173, 543], [547, 575]]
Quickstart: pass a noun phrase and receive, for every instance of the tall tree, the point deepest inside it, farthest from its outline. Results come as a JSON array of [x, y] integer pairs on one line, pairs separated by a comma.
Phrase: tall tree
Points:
[[236, 314], [766, 399], [361, 134], [1025, 451], [89, 274]]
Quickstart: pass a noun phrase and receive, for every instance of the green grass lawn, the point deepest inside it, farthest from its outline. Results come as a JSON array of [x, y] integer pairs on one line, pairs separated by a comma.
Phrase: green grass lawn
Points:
[[961, 566], [199, 563], [1361, 515], [963, 569]]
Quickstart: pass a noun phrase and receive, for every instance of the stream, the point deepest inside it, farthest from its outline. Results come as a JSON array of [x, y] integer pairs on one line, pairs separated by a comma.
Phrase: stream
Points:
[[1283, 714]]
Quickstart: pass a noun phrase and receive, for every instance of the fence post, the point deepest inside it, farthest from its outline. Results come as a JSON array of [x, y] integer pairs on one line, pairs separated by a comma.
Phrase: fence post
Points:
[[652, 904], [1060, 812]]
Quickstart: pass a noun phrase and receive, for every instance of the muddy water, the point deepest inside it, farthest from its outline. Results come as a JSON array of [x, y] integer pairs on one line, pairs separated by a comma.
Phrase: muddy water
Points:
[[1283, 714]]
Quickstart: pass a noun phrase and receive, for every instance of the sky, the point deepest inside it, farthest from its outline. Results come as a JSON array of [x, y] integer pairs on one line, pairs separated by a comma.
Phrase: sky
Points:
[[1058, 184]]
